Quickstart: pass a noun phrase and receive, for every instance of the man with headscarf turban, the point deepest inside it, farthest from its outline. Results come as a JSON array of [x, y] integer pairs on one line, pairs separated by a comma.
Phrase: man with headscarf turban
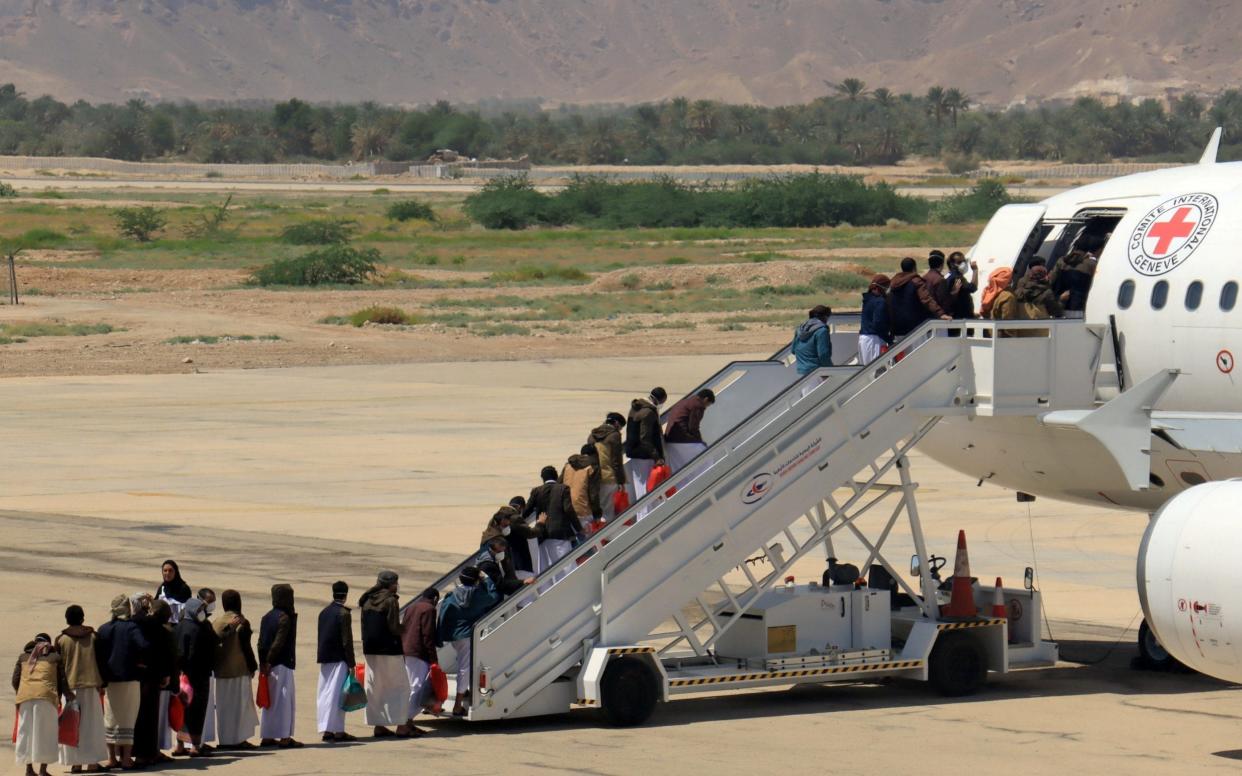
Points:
[[39, 681], [387, 685], [119, 650], [278, 636], [235, 666]]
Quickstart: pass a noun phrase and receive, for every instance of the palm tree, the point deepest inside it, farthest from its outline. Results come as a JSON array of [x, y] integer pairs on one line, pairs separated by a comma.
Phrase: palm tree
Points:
[[955, 101], [883, 97], [936, 103], [852, 89], [368, 139]]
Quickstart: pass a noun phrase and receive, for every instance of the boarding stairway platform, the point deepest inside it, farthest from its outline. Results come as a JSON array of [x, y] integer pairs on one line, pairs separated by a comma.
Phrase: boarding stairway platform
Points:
[[807, 457]]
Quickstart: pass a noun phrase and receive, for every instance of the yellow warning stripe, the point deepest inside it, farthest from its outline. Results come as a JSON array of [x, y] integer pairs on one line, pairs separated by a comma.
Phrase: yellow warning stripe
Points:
[[944, 626], [759, 677], [629, 650]]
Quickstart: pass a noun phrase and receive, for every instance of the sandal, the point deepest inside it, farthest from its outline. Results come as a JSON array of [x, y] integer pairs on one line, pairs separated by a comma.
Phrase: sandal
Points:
[[290, 744]]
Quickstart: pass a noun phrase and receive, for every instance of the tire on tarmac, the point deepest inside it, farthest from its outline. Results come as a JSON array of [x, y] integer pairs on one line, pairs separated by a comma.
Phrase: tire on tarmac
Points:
[[958, 665]]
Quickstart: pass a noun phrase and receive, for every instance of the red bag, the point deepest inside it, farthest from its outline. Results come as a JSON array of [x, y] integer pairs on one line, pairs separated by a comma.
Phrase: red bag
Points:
[[360, 673], [15, 712], [620, 501], [70, 720], [439, 682], [658, 474], [176, 713], [263, 696]]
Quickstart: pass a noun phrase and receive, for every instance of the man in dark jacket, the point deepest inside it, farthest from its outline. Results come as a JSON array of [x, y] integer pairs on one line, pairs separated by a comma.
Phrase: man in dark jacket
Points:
[[557, 525], [496, 563], [963, 282], [875, 333], [812, 342], [608, 446], [196, 651], [684, 439], [119, 651], [644, 444], [388, 687], [910, 302], [936, 285], [278, 637], [418, 643], [1036, 300], [336, 661]]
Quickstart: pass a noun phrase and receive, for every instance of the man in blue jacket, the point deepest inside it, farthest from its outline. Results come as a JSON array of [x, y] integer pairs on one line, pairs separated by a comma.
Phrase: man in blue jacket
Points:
[[812, 344], [876, 332], [474, 595]]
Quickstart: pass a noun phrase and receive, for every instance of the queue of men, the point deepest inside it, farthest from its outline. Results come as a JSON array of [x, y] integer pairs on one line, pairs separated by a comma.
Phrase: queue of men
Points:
[[166, 676], [894, 307]]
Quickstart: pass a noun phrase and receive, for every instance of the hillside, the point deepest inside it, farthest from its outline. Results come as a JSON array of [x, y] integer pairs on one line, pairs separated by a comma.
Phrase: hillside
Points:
[[761, 51]]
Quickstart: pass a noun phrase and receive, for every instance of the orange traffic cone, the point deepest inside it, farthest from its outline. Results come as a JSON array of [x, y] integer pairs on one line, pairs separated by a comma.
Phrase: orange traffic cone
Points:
[[962, 602], [998, 602]]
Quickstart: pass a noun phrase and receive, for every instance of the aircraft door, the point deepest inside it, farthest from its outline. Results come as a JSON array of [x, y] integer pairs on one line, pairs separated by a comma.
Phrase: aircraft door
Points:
[[1013, 235]]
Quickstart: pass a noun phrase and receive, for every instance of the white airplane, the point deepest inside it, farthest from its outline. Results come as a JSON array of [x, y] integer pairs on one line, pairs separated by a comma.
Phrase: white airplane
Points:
[[1166, 288]]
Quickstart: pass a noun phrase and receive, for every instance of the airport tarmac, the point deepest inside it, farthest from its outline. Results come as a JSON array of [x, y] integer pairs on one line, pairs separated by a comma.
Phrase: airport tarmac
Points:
[[312, 474]]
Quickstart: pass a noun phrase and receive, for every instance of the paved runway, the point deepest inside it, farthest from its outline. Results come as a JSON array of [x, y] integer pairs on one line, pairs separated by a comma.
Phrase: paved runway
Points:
[[309, 475]]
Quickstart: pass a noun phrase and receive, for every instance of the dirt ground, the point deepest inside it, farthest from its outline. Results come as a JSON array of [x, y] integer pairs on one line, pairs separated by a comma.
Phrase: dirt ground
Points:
[[147, 308]]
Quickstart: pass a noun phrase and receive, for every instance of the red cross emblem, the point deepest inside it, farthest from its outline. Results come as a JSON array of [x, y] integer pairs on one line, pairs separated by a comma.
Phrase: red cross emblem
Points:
[[1170, 232], [1177, 226]]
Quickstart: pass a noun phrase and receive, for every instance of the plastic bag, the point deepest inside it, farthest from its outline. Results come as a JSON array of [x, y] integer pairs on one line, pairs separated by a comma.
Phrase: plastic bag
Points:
[[70, 721], [353, 696], [620, 501], [176, 713], [263, 696], [658, 475], [439, 682], [360, 673], [187, 690]]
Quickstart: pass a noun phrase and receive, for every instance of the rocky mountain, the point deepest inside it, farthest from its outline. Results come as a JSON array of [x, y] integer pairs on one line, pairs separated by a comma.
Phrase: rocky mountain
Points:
[[761, 51]]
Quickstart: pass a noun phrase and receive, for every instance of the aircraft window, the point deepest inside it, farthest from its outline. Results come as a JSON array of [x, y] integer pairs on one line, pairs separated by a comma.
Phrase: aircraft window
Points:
[[1160, 295], [1229, 296], [1194, 295], [1125, 296]]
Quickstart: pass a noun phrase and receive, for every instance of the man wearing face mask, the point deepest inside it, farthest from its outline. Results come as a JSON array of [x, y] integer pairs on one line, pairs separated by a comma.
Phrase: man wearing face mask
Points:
[[507, 524], [498, 566], [208, 597], [963, 282], [196, 647], [644, 442]]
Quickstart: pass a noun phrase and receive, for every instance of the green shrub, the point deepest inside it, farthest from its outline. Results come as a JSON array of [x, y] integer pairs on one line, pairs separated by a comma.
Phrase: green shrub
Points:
[[631, 281], [411, 210], [510, 202], [805, 200], [392, 316], [533, 274], [835, 279], [6, 190], [675, 260], [140, 223], [335, 264], [322, 231], [978, 204]]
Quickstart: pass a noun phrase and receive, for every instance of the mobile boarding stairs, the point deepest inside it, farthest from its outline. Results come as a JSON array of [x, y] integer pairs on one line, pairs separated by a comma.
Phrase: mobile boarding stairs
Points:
[[662, 601]]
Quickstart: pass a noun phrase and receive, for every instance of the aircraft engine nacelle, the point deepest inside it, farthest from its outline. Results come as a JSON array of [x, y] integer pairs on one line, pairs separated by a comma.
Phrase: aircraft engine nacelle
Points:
[[1189, 574]]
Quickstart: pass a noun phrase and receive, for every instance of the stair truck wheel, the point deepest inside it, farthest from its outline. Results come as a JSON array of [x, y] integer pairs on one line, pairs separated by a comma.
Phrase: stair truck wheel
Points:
[[629, 691], [1152, 653], [958, 665]]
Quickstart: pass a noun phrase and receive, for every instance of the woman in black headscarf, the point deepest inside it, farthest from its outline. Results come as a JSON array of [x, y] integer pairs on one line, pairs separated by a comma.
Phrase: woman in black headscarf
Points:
[[173, 588]]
